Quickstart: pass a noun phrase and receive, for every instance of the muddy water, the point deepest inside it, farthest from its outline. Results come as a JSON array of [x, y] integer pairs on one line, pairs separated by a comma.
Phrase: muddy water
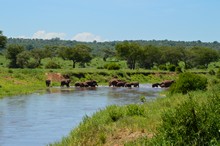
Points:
[[39, 119]]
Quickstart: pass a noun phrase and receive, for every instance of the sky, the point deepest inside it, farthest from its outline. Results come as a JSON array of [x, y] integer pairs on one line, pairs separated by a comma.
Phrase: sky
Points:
[[111, 20]]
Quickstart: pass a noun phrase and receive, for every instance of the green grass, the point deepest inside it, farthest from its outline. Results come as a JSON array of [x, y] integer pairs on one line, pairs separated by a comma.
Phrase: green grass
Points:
[[132, 124], [20, 81], [120, 121]]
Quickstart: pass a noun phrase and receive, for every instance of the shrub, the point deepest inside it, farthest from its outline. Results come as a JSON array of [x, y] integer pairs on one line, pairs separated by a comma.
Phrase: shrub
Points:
[[212, 72], [135, 109], [171, 67], [218, 74], [189, 82], [178, 69], [10, 71], [162, 67], [191, 124], [115, 113], [112, 66], [52, 65]]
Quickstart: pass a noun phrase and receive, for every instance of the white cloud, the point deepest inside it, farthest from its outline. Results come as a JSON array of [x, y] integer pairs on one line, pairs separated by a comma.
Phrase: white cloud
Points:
[[48, 35], [87, 37]]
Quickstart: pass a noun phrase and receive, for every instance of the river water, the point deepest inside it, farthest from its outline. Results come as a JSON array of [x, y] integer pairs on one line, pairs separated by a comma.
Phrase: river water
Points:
[[39, 119]]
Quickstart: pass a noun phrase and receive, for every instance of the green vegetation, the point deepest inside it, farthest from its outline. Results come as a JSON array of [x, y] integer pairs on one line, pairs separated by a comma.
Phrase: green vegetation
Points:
[[177, 119], [189, 82], [20, 81], [187, 115]]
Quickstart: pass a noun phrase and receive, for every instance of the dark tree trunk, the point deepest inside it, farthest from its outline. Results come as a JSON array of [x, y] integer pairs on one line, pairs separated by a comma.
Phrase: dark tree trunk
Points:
[[74, 64]]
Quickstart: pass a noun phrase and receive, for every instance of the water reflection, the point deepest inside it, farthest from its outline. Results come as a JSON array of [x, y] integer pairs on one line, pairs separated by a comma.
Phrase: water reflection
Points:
[[39, 119]]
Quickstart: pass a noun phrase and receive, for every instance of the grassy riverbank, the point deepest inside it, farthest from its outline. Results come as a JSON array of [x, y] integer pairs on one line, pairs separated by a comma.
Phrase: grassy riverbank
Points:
[[141, 124], [25, 81], [130, 124], [20, 81]]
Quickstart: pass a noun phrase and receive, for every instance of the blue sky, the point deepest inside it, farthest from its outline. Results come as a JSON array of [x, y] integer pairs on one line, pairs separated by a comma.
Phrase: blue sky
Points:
[[109, 20]]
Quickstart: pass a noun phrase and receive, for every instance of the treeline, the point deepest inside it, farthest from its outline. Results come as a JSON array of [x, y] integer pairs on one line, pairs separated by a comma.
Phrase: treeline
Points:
[[97, 46], [164, 55], [135, 55], [148, 56]]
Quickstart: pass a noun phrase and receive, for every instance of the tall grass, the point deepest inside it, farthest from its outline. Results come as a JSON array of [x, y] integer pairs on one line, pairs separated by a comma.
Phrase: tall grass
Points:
[[20, 81], [163, 121]]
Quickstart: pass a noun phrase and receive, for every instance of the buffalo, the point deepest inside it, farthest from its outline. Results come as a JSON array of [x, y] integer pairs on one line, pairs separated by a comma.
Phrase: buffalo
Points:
[[65, 82], [166, 83], [155, 85], [48, 82]]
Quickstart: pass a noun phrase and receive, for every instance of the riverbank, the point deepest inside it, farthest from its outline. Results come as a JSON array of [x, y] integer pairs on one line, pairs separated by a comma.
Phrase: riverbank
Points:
[[20, 81], [159, 122], [25, 81]]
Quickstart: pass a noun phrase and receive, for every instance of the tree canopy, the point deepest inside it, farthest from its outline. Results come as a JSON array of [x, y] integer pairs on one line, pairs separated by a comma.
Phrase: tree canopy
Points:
[[3, 40], [78, 54]]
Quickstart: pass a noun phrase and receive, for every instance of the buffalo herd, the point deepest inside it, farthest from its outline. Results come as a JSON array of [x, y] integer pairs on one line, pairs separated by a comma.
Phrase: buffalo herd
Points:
[[164, 84], [112, 83]]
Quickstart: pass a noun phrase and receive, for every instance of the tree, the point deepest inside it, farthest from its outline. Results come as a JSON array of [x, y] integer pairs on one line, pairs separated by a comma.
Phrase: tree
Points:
[[201, 56], [108, 52], [130, 52], [3, 40], [78, 54], [12, 52], [149, 56], [172, 55], [23, 59], [50, 51], [38, 55]]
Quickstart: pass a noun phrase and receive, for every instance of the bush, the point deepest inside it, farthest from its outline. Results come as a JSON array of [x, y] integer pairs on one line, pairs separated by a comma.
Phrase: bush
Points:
[[52, 65], [218, 74], [191, 124], [115, 113], [212, 72], [189, 82], [112, 66], [178, 69], [162, 67], [171, 67], [135, 109]]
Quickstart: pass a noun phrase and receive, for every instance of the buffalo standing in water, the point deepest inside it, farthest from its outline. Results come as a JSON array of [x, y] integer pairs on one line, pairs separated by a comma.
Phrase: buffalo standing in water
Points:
[[65, 82], [155, 85], [89, 83], [166, 83], [48, 82]]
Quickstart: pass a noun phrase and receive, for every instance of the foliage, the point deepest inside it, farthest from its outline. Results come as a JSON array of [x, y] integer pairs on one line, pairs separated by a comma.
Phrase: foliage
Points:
[[191, 123], [137, 54], [171, 67], [20, 81], [149, 56], [23, 59], [172, 55], [12, 52], [200, 56], [218, 73], [3, 40], [115, 113], [52, 65], [128, 51], [38, 55], [178, 69], [78, 54], [212, 72], [112, 66], [189, 82], [135, 109], [162, 67]]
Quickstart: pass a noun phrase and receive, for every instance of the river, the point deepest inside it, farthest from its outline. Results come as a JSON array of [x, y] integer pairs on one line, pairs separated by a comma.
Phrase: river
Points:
[[39, 119]]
